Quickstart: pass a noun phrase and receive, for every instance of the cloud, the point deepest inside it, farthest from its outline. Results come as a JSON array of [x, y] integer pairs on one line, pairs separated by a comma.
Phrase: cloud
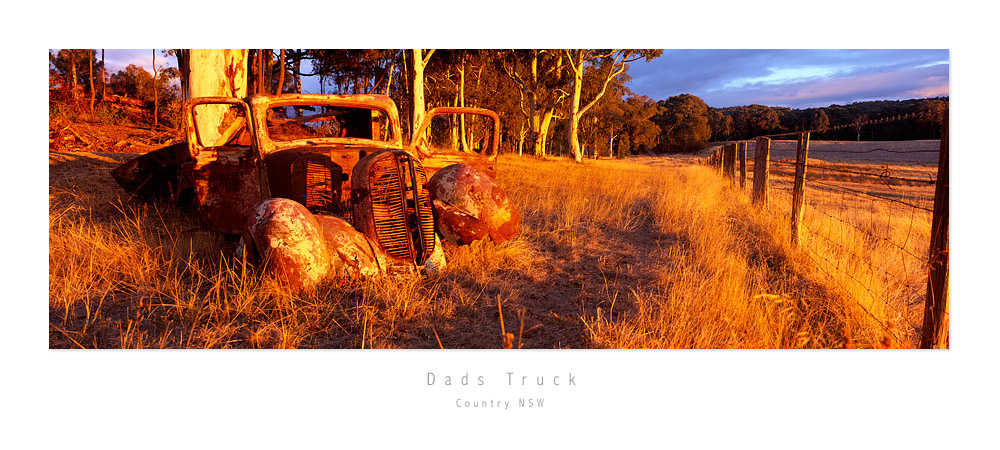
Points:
[[794, 78]]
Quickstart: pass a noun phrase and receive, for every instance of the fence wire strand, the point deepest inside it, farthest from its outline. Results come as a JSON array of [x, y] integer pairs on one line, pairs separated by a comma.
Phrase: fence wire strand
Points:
[[843, 259]]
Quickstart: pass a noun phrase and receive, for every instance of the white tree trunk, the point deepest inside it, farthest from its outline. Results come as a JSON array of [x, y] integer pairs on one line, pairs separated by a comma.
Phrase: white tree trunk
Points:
[[461, 103], [574, 115], [418, 92], [577, 62], [216, 73], [541, 141]]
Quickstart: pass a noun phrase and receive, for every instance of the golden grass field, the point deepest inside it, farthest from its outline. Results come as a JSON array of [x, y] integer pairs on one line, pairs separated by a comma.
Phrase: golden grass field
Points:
[[637, 253]]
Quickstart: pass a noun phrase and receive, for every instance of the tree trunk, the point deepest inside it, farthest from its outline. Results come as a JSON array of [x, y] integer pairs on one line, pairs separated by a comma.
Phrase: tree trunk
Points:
[[297, 67], [156, 97], [281, 74], [574, 116], [216, 73], [461, 103], [541, 139], [520, 141], [533, 122], [72, 61], [90, 75], [104, 83], [392, 68], [419, 61], [453, 124], [577, 63]]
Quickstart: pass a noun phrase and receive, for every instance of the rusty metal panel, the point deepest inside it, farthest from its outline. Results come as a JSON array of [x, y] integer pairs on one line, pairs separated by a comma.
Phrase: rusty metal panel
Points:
[[156, 174], [227, 188], [391, 206], [471, 206], [434, 160], [291, 242], [352, 255], [260, 103]]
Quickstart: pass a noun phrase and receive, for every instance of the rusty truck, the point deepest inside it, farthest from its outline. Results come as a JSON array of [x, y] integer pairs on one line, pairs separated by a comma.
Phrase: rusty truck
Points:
[[319, 186]]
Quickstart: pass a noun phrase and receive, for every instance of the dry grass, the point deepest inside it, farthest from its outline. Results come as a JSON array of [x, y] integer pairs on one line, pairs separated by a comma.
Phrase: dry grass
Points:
[[612, 254]]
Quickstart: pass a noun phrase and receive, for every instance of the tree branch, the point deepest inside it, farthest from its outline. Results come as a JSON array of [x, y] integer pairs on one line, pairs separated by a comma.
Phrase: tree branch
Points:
[[613, 73], [572, 62], [513, 76]]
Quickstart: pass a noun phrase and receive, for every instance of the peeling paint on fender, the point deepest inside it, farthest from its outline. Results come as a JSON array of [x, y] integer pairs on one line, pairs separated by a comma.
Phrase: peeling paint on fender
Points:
[[471, 206], [290, 241], [352, 255]]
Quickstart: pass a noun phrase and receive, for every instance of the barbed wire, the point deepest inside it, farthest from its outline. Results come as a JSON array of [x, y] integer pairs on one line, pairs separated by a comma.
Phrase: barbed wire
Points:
[[840, 256], [884, 175], [856, 256], [844, 288], [858, 152], [836, 280], [869, 233], [843, 188]]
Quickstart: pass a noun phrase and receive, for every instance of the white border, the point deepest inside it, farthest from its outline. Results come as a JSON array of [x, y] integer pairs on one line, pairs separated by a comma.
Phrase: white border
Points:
[[682, 399]]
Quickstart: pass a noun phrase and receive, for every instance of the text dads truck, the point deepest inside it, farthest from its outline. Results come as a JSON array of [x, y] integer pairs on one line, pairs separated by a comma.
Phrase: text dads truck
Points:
[[512, 380]]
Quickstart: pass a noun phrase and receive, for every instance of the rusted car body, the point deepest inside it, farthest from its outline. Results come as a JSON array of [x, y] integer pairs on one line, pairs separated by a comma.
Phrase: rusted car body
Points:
[[334, 156]]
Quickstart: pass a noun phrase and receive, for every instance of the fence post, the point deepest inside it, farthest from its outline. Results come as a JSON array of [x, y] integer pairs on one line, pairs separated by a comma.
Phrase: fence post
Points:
[[801, 155], [741, 155], [729, 162], [761, 159], [935, 330]]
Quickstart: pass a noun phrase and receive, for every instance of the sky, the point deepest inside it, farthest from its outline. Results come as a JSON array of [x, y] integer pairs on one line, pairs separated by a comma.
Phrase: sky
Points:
[[791, 78]]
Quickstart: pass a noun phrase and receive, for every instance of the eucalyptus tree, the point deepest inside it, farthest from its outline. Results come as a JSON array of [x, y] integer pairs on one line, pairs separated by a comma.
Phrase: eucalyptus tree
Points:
[[615, 62]]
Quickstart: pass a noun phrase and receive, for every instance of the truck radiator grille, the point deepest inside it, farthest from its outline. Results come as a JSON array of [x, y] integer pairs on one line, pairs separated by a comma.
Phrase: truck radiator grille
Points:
[[401, 214], [316, 184], [424, 200], [388, 206]]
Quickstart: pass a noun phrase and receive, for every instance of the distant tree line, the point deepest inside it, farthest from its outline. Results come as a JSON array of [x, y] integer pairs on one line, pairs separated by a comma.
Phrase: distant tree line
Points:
[[688, 124], [754, 120]]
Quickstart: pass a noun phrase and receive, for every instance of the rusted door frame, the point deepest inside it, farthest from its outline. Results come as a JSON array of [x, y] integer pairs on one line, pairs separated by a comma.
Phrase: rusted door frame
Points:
[[495, 143]]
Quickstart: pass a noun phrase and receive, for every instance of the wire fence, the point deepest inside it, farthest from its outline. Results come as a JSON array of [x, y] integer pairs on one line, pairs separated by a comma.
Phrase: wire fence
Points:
[[863, 212]]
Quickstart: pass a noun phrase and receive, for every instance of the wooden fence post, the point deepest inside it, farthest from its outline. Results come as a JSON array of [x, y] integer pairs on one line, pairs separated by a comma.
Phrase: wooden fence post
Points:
[[761, 159], [741, 155], [935, 330], [729, 162], [801, 156]]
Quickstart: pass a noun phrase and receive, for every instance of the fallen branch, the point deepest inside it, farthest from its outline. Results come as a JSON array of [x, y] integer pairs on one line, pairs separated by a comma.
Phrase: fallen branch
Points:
[[78, 135]]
